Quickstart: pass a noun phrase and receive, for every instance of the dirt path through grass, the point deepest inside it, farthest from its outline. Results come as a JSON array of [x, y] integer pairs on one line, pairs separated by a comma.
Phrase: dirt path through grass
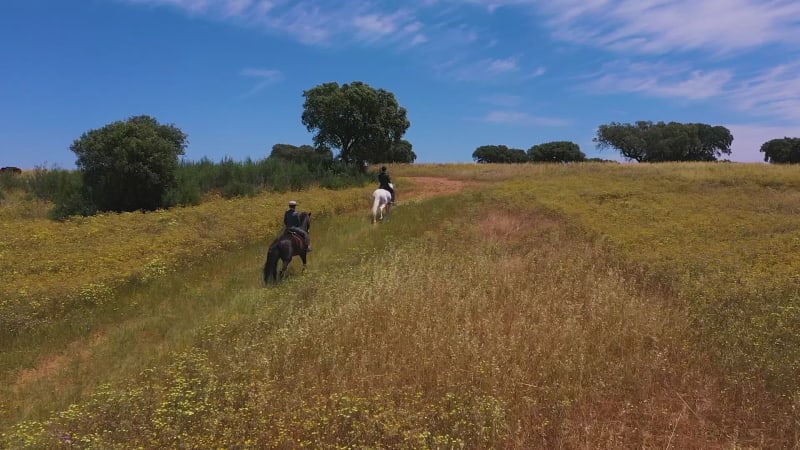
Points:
[[426, 187]]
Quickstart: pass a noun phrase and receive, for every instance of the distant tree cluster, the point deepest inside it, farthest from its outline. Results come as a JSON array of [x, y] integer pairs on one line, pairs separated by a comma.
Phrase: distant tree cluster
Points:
[[782, 151], [559, 151], [305, 154], [499, 154], [646, 141]]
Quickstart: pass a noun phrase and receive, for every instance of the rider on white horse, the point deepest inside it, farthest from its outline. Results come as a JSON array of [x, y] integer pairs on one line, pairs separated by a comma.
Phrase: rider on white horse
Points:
[[386, 182]]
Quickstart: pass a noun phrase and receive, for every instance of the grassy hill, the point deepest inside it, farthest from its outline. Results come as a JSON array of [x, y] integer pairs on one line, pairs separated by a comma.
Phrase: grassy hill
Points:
[[525, 306]]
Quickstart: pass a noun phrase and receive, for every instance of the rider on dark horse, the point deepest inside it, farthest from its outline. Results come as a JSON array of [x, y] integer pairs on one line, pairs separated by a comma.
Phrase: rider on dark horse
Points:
[[384, 179], [291, 218]]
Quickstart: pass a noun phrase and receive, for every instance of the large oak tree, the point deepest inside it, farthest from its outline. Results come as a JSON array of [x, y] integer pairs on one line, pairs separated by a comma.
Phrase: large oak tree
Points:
[[365, 124], [646, 141]]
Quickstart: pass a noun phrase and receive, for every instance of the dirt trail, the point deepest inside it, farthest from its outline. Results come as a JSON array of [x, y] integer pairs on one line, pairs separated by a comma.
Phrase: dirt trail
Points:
[[427, 187]]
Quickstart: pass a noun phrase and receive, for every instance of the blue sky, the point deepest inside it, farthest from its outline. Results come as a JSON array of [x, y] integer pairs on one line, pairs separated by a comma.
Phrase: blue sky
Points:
[[231, 73]]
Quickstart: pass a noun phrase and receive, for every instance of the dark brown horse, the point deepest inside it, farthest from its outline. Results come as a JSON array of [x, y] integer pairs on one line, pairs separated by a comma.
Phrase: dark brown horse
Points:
[[284, 248]]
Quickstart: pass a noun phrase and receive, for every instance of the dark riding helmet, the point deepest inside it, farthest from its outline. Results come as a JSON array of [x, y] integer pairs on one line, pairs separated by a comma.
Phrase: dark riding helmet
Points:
[[383, 169]]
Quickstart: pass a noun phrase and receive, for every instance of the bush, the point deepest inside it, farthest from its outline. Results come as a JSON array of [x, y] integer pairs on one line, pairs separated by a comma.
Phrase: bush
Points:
[[49, 184], [72, 202], [11, 181], [131, 165], [558, 151], [62, 187]]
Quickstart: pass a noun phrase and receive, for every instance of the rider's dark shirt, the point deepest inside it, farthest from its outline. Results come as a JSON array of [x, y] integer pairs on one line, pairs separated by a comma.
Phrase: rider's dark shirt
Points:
[[291, 218], [384, 179]]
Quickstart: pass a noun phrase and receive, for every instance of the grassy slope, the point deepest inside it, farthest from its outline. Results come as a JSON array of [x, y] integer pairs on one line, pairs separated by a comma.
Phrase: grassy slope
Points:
[[459, 321]]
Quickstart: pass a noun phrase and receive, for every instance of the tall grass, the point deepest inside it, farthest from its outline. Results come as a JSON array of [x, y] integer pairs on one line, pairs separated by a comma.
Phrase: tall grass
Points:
[[195, 181], [458, 323], [553, 306], [230, 178]]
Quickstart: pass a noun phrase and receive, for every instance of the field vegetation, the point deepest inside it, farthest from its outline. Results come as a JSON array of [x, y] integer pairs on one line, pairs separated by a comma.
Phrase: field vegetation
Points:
[[543, 306]]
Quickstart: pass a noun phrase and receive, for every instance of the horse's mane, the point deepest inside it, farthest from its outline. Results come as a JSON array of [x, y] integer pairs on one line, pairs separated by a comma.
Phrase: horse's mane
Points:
[[305, 220]]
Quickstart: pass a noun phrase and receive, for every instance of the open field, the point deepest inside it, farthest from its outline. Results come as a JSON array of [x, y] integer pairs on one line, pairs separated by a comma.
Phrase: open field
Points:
[[533, 306]]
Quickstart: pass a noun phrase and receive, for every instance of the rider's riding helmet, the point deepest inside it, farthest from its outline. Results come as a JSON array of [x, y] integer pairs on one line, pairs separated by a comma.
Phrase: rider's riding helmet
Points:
[[292, 204], [383, 169]]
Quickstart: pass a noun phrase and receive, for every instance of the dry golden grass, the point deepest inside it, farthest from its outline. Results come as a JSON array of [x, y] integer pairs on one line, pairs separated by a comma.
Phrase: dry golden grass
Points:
[[534, 311], [722, 237]]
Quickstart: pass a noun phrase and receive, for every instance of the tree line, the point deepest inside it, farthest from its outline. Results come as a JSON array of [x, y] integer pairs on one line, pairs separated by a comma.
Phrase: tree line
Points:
[[136, 164], [645, 141], [558, 151]]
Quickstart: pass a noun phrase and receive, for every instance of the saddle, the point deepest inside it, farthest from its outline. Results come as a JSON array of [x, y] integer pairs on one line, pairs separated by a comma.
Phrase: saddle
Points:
[[297, 238]]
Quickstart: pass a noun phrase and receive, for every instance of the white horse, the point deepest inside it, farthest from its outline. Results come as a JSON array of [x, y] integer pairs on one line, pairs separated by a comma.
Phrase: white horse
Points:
[[381, 202]]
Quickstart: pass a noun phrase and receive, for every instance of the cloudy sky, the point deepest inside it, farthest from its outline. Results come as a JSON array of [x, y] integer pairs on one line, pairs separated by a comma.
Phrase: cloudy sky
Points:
[[231, 73]]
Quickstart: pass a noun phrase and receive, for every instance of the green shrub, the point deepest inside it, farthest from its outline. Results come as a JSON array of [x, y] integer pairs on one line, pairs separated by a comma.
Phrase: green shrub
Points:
[[48, 184], [130, 165], [11, 181]]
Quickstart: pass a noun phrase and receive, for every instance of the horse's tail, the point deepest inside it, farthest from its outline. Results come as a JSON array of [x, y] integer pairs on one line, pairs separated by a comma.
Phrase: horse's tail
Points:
[[271, 265], [376, 202]]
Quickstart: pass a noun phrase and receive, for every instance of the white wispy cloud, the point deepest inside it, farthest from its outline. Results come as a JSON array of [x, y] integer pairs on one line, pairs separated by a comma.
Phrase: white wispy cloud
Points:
[[522, 118], [437, 27], [310, 21], [659, 79], [419, 39], [238, 7], [659, 26], [263, 77], [401, 27], [492, 5], [191, 6], [772, 92], [652, 34], [631, 26], [502, 65], [539, 71], [485, 69]]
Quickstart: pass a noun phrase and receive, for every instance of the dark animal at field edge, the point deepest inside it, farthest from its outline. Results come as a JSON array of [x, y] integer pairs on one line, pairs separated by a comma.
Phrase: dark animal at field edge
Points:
[[284, 248]]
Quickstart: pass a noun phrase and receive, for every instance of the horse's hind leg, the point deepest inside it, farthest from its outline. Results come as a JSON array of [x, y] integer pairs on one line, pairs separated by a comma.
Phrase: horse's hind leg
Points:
[[283, 268]]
